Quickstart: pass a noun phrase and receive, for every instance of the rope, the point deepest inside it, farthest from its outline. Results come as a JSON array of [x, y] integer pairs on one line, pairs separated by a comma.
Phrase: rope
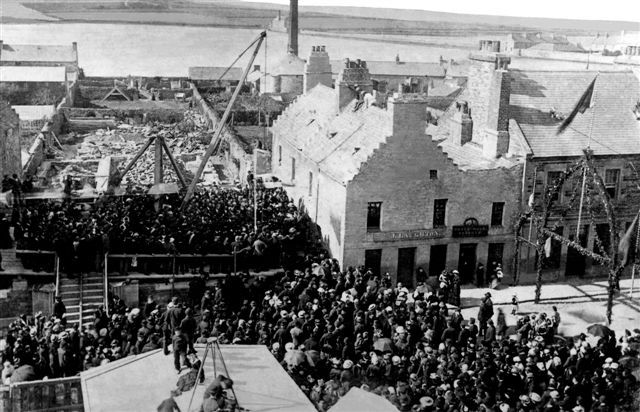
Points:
[[238, 58]]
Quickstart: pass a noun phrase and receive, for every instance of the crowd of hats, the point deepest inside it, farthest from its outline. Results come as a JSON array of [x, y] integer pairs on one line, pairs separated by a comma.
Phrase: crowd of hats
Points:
[[333, 330], [212, 221]]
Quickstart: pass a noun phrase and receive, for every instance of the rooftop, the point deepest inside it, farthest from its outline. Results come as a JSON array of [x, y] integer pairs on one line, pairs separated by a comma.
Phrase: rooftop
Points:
[[393, 68], [214, 73], [35, 112], [32, 74], [37, 53], [611, 123], [360, 400], [339, 144], [141, 382]]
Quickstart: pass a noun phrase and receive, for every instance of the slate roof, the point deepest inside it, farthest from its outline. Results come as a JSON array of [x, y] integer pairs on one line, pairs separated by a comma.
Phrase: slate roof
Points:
[[391, 68], [214, 73], [36, 53], [615, 128], [32, 74], [34, 112], [339, 144]]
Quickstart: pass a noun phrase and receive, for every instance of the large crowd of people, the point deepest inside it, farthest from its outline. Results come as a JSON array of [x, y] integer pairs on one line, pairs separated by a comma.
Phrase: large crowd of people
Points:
[[331, 328], [217, 221]]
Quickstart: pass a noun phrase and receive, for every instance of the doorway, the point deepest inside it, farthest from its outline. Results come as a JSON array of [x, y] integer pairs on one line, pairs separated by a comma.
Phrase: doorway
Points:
[[576, 262], [467, 262], [406, 265], [494, 258], [373, 260], [437, 260]]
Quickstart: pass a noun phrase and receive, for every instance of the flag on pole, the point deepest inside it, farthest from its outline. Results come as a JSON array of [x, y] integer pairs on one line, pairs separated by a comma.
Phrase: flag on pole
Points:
[[629, 245], [585, 102]]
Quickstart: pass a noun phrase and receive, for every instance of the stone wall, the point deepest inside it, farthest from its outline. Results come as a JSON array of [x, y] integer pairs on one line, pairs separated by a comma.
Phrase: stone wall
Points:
[[236, 156], [398, 175], [320, 195], [10, 162], [18, 300], [37, 150]]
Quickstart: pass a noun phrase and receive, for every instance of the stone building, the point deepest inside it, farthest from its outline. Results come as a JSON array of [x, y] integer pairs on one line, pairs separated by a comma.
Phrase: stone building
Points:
[[41, 55], [287, 74], [284, 76], [10, 161], [540, 100], [389, 194], [220, 78]]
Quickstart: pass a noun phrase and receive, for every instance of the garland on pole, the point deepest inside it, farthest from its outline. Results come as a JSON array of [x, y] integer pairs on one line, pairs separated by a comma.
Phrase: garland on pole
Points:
[[539, 216]]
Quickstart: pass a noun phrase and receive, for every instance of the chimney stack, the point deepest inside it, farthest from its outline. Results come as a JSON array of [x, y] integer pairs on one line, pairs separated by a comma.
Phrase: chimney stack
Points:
[[409, 113], [353, 79], [293, 27], [496, 141], [317, 70], [461, 124]]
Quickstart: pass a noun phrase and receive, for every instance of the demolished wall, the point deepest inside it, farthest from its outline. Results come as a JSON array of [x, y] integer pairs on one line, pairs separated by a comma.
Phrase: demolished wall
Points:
[[236, 156]]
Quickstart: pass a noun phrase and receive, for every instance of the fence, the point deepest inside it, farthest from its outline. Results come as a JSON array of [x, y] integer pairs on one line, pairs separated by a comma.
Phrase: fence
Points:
[[63, 394], [172, 264]]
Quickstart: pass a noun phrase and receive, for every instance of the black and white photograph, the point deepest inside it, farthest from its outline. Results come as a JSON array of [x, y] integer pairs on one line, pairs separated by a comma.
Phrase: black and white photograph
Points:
[[319, 206]]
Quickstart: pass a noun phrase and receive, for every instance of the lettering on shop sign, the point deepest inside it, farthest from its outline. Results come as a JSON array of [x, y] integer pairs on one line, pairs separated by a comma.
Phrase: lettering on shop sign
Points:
[[470, 228], [407, 235]]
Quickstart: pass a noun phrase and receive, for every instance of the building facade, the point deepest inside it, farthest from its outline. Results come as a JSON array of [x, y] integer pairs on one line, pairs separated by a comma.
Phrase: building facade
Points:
[[388, 195], [610, 130]]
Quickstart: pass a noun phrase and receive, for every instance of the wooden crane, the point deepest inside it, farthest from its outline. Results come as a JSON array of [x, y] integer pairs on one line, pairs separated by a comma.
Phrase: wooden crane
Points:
[[216, 140]]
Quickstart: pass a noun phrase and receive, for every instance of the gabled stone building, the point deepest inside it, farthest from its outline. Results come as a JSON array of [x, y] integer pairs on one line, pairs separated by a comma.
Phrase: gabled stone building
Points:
[[390, 195]]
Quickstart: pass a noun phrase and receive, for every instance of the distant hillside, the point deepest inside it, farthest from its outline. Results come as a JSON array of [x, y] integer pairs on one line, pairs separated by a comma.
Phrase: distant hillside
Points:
[[530, 22], [246, 14]]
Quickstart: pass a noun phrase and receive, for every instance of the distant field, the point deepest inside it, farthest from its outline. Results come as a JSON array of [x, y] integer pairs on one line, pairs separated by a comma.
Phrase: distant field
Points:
[[244, 15]]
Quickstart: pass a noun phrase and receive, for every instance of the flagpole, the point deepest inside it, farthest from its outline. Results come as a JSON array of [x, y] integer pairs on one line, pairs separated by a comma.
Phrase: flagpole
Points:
[[584, 167], [255, 190], [634, 267]]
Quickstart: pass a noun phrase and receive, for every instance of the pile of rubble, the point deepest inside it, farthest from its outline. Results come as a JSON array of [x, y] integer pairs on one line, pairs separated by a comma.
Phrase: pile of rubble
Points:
[[187, 140]]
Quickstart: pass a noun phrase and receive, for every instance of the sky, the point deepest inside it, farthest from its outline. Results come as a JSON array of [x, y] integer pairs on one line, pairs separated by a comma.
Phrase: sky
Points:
[[623, 10]]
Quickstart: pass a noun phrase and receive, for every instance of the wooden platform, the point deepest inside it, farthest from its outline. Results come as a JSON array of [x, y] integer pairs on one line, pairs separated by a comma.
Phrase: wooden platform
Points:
[[140, 383]]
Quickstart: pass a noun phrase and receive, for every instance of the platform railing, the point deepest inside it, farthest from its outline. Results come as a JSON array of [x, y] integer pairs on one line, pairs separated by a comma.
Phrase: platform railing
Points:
[[62, 394]]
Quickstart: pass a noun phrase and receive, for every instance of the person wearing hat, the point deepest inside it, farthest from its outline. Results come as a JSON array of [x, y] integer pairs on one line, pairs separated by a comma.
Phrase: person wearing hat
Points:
[[189, 326], [180, 347], [215, 396], [485, 312], [59, 309], [426, 404]]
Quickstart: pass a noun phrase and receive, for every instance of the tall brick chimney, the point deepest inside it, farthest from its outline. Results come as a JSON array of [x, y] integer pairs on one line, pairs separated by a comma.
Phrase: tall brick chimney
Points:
[[496, 141], [353, 78], [461, 124], [293, 27], [317, 70]]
